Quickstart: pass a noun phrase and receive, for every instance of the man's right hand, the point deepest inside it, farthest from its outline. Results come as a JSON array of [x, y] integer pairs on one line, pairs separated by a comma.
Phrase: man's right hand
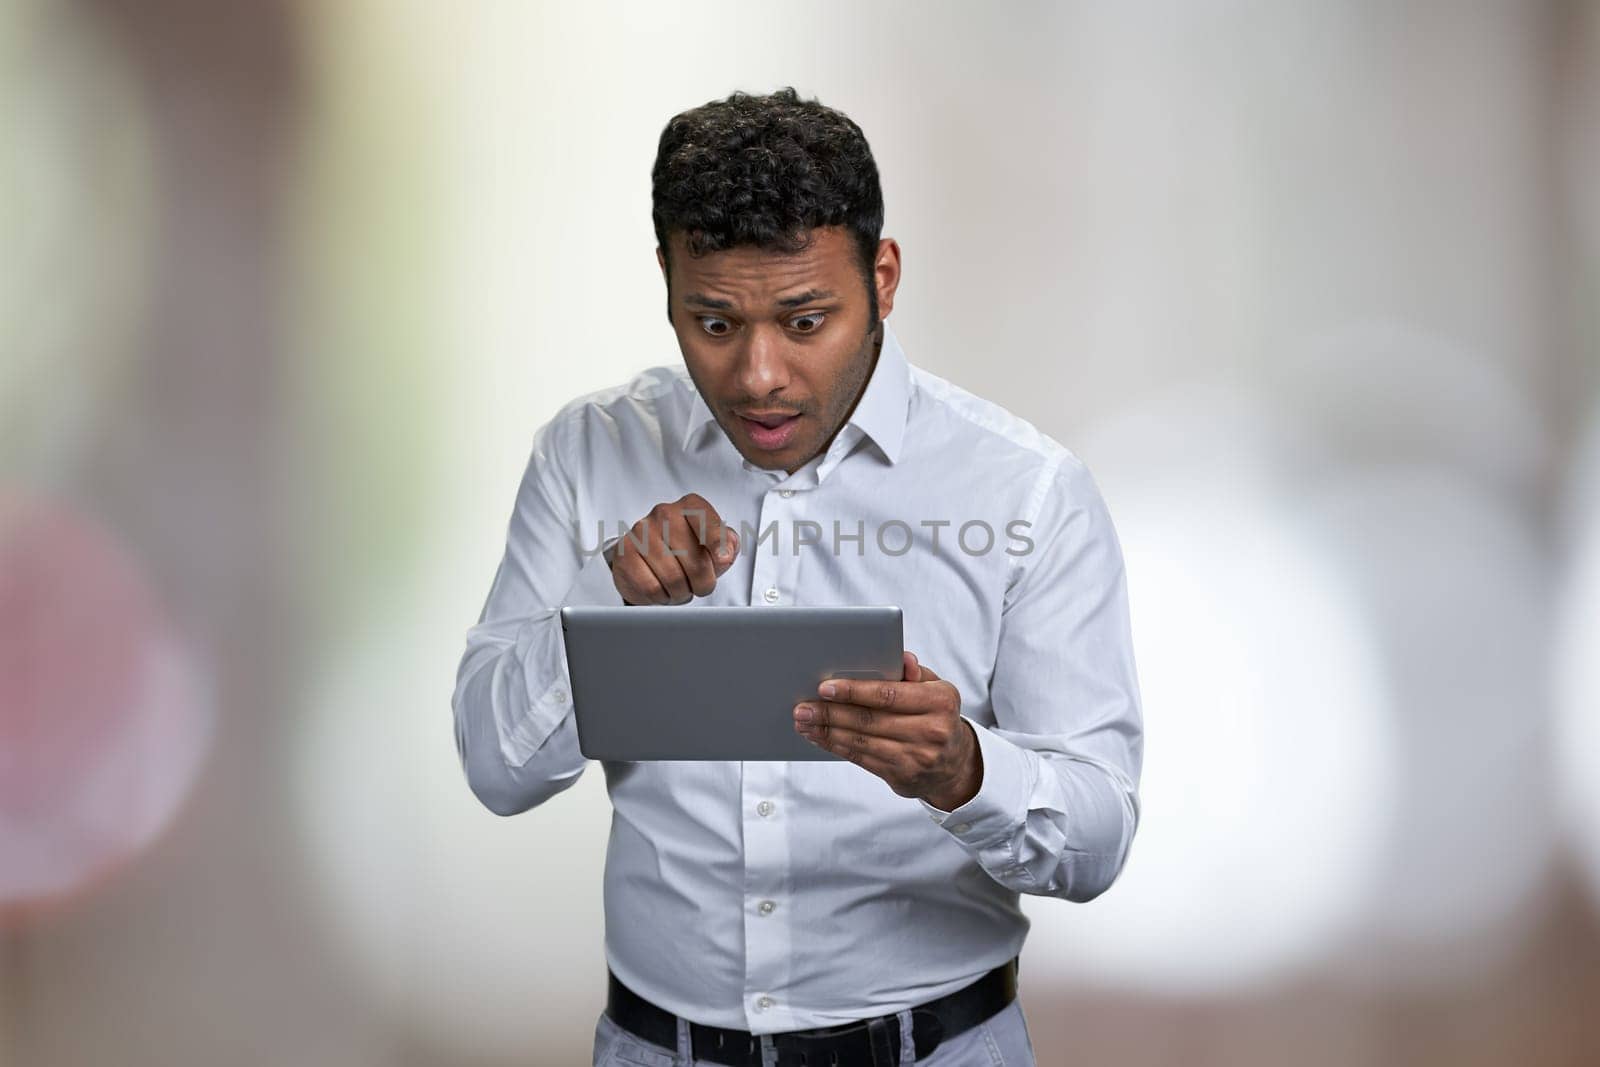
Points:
[[680, 559]]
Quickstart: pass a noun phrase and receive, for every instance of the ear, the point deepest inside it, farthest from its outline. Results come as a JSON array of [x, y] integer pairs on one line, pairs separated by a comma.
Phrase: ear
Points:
[[886, 274], [661, 261]]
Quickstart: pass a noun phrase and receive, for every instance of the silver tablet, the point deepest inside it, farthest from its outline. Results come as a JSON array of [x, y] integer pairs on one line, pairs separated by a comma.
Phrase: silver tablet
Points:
[[681, 682]]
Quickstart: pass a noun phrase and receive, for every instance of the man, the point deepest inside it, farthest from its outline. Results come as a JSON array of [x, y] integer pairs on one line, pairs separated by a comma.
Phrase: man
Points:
[[862, 910]]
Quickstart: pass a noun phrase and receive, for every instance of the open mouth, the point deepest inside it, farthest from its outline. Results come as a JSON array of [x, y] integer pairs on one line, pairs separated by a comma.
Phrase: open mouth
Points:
[[770, 431]]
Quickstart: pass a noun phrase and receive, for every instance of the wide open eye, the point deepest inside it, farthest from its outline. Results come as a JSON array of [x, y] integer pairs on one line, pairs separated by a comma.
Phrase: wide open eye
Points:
[[714, 326], [810, 322]]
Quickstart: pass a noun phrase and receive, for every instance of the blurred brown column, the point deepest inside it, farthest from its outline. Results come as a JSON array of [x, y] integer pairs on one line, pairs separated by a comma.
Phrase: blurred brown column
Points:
[[199, 954]]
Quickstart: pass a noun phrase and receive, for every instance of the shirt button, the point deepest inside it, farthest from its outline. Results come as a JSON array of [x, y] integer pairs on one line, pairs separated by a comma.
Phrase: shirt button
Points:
[[764, 1002], [558, 695], [962, 827], [786, 493], [765, 808], [766, 907], [770, 596]]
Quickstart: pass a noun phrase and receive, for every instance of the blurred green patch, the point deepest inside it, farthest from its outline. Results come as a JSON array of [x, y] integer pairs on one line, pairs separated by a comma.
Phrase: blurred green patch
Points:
[[368, 361]]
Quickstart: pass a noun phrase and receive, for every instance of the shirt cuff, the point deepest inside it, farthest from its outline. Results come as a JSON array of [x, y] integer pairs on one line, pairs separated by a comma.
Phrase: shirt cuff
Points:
[[541, 672], [1000, 806]]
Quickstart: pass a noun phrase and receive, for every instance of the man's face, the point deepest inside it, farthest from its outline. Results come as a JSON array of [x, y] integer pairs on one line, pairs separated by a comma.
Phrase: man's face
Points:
[[778, 343]]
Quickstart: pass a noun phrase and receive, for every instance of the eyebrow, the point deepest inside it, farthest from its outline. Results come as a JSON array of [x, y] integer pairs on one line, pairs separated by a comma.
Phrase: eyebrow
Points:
[[807, 297]]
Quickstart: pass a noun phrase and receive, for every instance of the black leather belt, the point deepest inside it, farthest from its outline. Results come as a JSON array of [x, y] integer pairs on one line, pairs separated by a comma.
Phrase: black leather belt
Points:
[[866, 1043]]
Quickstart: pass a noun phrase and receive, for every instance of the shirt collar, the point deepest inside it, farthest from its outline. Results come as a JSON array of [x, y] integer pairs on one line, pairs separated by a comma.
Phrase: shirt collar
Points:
[[880, 413]]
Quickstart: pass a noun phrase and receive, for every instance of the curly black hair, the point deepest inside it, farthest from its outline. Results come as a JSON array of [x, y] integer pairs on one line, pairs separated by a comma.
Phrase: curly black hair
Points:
[[763, 171]]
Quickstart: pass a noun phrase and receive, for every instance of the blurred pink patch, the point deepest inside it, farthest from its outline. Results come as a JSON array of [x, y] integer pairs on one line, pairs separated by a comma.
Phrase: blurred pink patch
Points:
[[102, 720]]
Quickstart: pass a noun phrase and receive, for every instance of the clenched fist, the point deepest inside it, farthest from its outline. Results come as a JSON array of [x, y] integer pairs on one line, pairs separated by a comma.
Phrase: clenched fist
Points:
[[674, 554]]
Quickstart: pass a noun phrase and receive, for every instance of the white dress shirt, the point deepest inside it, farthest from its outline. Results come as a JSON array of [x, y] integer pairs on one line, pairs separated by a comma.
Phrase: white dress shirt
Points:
[[773, 896]]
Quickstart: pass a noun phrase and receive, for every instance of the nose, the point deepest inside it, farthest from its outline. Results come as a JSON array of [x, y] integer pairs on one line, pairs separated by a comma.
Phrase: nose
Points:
[[762, 369]]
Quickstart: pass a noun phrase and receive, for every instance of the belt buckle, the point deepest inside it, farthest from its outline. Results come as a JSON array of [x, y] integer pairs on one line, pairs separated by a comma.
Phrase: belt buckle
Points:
[[806, 1046], [723, 1048], [927, 1032]]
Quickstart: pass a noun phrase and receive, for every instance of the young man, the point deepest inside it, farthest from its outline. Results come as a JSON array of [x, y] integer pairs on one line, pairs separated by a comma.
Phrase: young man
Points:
[[854, 911]]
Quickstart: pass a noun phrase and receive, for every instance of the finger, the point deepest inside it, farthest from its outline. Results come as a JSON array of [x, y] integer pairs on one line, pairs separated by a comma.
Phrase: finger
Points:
[[692, 558], [668, 573], [841, 740], [872, 693], [909, 668], [636, 581], [719, 539], [926, 671], [640, 553], [892, 726], [873, 753], [727, 550]]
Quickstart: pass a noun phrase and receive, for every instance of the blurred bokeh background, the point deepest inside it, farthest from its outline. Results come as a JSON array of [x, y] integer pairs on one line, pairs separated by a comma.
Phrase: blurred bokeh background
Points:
[[285, 289]]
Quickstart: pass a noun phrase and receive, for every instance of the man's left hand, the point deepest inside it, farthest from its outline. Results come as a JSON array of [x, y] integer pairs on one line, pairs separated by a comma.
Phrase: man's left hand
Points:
[[910, 734]]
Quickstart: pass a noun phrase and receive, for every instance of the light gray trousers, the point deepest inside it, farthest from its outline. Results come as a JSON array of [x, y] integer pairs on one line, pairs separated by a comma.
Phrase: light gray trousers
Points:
[[1002, 1041]]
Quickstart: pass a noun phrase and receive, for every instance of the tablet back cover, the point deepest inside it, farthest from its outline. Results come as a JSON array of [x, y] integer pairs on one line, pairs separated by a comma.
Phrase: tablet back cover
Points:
[[686, 682]]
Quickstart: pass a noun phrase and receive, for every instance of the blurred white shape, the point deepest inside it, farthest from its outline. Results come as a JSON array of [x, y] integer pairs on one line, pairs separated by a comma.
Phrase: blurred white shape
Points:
[[105, 716], [1577, 674], [477, 930], [1384, 390], [1226, 436], [1267, 776], [1456, 583]]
